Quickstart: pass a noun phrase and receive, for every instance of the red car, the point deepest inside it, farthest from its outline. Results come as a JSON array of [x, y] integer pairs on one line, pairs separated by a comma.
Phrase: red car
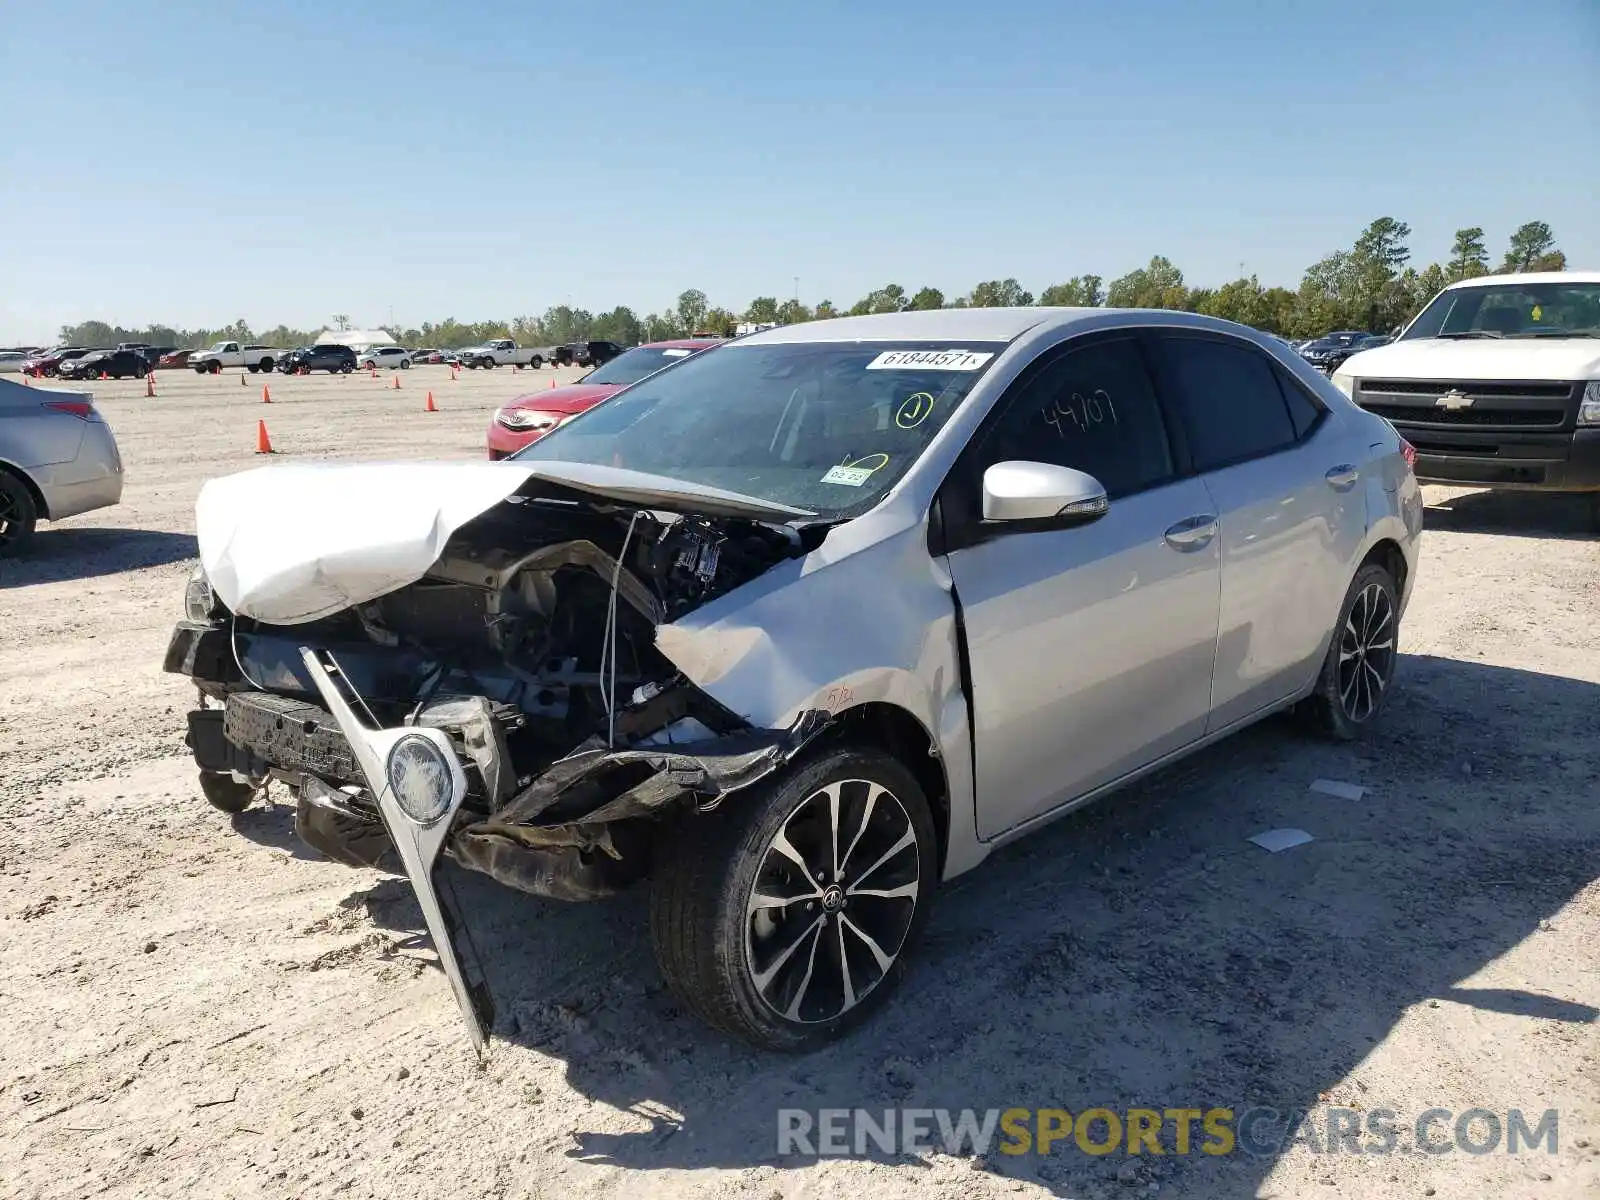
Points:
[[528, 418], [48, 362]]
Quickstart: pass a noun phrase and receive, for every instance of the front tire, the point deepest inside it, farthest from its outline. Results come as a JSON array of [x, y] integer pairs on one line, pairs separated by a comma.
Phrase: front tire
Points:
[[788, 916], [18, 515], [223, 791], [1361, 658]]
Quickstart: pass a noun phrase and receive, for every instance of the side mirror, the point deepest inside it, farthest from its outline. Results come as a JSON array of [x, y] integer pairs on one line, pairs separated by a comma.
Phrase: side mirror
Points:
[[1031, 491]]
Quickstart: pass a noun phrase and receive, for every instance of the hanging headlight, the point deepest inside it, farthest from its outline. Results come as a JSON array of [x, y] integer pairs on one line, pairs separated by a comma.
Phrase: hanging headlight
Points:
[[199, 601]]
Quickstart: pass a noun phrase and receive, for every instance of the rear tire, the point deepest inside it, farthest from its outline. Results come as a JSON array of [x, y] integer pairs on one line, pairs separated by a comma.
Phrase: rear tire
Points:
[[224, 792], [723, 875], [536, 362], [267, 364], [18, 515], [1361, 658]]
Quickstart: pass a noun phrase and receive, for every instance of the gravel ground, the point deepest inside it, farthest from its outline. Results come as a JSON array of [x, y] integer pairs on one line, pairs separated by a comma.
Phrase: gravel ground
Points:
[[197, 1005]]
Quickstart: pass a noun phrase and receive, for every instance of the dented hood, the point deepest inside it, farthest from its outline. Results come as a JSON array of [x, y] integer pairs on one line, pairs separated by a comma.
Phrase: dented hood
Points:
[[290, 544]]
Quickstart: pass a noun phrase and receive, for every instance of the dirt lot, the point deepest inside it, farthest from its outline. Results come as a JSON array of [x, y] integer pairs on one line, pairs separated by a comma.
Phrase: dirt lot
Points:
[[198, 1006]]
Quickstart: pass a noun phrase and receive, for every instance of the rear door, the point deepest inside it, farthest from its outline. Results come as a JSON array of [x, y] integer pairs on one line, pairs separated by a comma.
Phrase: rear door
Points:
[[1091, 647], [1285, 479]]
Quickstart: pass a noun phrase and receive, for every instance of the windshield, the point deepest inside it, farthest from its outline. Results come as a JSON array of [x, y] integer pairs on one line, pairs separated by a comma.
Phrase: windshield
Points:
[[823, 426], [637, 363], [1515, 310]]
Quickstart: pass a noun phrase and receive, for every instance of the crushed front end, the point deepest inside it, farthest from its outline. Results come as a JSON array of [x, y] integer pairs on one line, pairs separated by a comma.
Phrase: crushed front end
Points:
[[508, 709]]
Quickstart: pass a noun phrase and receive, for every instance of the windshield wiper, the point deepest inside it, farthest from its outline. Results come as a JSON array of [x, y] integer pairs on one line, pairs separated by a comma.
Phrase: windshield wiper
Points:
[[1471, 333], [1558, 333]]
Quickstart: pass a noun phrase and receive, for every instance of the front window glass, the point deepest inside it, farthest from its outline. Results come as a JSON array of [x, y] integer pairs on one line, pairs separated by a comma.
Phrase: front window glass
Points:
[[1511, 310], [822, 426]]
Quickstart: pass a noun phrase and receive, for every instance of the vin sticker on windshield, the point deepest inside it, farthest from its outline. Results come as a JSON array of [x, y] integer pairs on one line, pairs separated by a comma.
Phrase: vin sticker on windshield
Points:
[[929, 360], [849, 476]]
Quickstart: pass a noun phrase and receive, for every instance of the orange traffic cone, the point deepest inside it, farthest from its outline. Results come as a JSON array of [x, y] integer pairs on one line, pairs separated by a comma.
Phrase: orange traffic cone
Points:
[[104, 377], [241, 379], [266, 395], [27, 379], [263, 442], [397, 383], [516, 368], [374, 372], [453, 372], [150, 384], [429, 407]]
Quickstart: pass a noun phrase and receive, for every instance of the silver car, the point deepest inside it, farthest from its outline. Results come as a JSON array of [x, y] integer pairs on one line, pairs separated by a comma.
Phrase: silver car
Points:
[[802, 629], [58, 458]]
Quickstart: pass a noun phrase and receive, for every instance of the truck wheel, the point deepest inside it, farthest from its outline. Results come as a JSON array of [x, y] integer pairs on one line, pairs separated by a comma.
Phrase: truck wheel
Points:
[[267, 365], [346, 369], [200, 370], [18, 515], [405, 364], [223, 791], [490, 363], [536, 362], [788, 915]]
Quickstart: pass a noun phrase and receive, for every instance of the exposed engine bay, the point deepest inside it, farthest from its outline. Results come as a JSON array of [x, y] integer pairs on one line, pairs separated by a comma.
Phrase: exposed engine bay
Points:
[[530, 642]]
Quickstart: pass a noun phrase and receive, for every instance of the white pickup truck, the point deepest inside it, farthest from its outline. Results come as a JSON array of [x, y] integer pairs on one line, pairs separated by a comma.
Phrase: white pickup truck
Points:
[[1496, 384], [503, 352], [232, 354]]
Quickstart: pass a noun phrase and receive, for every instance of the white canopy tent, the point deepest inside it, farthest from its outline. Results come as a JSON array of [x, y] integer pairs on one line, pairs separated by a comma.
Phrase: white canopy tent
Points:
[[359, 340]]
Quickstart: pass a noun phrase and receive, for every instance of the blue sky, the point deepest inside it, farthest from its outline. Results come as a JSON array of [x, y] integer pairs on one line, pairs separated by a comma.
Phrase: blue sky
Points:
[[283, 161]]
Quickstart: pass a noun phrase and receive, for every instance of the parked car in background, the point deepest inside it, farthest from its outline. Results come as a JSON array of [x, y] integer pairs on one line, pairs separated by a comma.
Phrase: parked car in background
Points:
[[530, 417], [11, 361], [1328, 351], [586, 354], [47, 363], [884, 592], [150, 354], [502, 352], [1496, 383], [174, 358], [428, 355], [328, 357], [232, 354], [383, 358], [58, 458], [113, 364]]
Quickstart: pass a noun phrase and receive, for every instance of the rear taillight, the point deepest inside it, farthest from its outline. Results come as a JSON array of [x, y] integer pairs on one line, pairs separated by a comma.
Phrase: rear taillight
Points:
[[1409, 453], [82, 409]]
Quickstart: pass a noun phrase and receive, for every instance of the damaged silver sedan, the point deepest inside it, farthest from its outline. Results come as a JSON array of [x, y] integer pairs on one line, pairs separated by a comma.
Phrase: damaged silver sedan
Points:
[[800, 629]]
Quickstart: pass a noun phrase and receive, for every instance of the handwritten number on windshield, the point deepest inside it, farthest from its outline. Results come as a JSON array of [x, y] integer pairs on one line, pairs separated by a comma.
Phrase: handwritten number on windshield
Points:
[[1081, 413]]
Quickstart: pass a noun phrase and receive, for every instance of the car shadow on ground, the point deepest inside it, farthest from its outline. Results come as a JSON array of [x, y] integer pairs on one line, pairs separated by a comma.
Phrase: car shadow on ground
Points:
[[272, 825], [70, 553], [1528, 514], [1137, 954]]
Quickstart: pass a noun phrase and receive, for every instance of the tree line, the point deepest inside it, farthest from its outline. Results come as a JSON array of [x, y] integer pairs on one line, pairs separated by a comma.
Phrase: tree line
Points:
[[1372, 285]]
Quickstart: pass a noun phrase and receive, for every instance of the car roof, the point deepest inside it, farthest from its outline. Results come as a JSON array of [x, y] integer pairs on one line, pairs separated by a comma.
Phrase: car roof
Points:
[[1528, 277], [940, 324]]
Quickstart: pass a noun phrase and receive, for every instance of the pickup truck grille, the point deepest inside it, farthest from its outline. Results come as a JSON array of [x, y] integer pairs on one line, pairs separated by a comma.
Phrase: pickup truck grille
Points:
[[1447, 404]]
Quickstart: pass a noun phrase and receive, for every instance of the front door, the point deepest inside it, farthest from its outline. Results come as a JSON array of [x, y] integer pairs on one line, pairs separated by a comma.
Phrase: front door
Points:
[[1090, 647]]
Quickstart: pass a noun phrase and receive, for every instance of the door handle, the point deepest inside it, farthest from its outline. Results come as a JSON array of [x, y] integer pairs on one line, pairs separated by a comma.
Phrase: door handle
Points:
[[1343, 477], [1192, 533]]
